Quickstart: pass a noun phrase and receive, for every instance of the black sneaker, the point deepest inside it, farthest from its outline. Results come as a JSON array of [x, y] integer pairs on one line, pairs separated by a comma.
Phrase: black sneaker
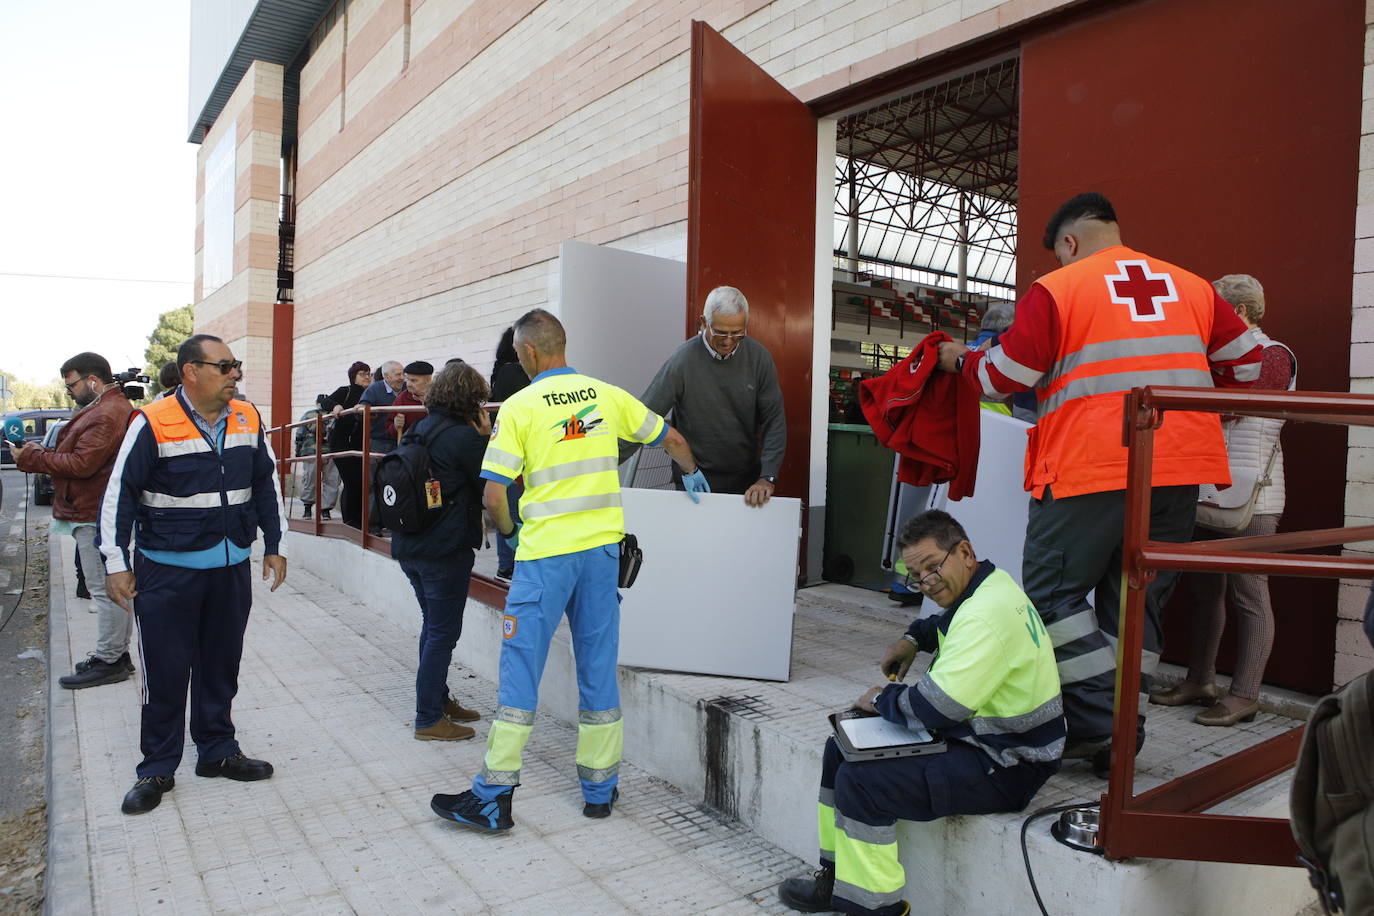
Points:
[[809, 895], [601, 810], [147, 794], [93, 672], [81, 590], [506, 574], [124, 660], [306, 514], [324, 514], [467, 808]]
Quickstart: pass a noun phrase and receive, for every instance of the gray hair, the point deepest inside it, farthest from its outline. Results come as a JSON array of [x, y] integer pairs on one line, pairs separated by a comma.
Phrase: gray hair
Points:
[[1243, 291], [725, 300], [998, 317], [390, 365]]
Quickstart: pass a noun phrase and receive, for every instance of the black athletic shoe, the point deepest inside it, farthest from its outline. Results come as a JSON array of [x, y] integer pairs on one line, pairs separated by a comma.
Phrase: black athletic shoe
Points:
[[93, 672], [811, 894], [81, 590], [147, 794], [601, 810], [244, 769], [467, 808], [306, 513], [324, 514]]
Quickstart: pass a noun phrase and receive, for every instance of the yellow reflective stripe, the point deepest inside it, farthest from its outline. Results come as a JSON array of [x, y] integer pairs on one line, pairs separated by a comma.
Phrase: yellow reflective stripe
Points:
[[648, 429], [194, 501], [580, 468], [180, 447], [867, 873], [500, 458], [505, 745], [531, 510], [825, 827], [599, 746]]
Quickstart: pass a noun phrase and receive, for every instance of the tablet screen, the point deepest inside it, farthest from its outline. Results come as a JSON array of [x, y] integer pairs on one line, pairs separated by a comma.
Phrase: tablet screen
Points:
[[874, 731]]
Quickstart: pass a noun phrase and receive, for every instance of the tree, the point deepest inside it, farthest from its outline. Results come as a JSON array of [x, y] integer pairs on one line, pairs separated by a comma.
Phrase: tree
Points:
[[172, 329], [25, 394]]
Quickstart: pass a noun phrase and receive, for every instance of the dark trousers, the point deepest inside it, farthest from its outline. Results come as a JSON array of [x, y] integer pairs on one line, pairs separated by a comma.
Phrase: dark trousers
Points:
[[351, 497], [505, 553], [190, 631], [1073, 548], [441, 588]]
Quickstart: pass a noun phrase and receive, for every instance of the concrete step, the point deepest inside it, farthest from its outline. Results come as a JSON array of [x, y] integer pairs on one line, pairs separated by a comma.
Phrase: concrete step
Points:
[[751, 750]]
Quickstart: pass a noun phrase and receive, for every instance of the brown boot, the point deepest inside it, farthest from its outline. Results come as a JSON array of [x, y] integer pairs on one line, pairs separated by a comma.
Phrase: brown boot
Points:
[[444, 730], [1186, 692], [459, 713], [1228, 712]]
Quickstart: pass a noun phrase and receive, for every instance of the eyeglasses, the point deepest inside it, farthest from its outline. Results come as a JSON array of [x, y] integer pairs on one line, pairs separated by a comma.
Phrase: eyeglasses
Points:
[[225, 366], [77, 382], [726, 335], [932, 575]]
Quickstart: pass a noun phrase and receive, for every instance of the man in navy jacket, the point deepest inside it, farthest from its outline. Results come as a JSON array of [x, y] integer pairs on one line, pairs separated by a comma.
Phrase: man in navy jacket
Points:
[[195, 477]]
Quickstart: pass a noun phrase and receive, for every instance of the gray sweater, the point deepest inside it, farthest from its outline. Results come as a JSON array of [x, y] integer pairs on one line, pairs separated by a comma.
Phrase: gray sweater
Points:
[[724, 408]]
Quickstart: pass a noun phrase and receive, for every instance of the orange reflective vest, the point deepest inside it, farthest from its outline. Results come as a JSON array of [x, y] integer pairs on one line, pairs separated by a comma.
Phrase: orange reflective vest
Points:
[[1125, 320]]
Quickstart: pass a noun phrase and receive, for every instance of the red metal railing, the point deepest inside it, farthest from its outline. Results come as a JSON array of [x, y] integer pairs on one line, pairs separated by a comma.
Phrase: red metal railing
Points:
[[485, 589], [1168, 821]]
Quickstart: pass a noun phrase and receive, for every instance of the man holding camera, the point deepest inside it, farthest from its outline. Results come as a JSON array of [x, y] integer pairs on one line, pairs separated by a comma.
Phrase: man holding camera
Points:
[[80, 466]]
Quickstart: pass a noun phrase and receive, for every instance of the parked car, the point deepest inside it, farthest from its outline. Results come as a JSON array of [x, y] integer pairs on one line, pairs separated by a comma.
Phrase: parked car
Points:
[[35, 422], [42, 483]]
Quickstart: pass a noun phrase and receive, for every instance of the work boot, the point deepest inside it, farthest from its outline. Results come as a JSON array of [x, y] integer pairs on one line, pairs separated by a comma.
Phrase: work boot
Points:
[[459, 713], [466, 808], [810, 895], [147, 794], [93, 672], [237, 766], [444, 730], [306, 513], [600, 810]]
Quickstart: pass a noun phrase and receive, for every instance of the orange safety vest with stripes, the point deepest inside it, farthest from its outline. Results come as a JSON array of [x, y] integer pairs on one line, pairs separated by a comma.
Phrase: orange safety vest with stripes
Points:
[[197, 495], [1125, 320]]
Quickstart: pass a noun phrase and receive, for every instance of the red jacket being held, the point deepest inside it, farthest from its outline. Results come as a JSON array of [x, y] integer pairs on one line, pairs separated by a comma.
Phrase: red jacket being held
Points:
[[928, 417], [80, 464]]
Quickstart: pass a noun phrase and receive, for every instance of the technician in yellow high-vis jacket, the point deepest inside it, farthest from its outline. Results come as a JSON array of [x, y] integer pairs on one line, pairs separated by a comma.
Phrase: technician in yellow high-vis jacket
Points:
[[562, 433], [992, 692]]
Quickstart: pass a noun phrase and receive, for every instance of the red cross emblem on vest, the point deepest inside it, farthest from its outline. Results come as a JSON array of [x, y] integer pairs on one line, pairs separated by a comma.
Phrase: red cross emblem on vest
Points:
[[1142, 290]]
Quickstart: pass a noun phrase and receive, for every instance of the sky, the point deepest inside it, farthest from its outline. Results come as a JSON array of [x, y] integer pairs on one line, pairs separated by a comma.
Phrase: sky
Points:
[[99, 180]]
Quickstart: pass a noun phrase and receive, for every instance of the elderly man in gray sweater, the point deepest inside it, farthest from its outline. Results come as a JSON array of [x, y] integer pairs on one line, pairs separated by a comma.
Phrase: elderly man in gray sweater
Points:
[[722, 389]]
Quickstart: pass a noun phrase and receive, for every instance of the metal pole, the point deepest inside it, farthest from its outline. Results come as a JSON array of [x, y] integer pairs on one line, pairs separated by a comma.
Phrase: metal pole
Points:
[[963, 247], [853, 243], [319, 470], [367, 472]]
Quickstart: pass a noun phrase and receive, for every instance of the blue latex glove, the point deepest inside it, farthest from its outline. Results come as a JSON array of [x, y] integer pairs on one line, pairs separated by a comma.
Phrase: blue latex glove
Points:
[[513, 539], [695, 483]]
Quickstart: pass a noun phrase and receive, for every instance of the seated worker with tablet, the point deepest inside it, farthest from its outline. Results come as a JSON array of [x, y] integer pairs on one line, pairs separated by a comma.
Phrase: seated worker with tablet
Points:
[[991, 695]]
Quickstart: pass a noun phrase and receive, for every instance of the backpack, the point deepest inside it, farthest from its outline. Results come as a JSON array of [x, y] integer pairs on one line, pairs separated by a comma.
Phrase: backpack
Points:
[[401, 480], [1332, 803]]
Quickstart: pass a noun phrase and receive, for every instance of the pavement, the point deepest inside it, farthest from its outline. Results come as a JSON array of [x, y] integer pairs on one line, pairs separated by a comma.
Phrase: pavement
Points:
[[344, 826]]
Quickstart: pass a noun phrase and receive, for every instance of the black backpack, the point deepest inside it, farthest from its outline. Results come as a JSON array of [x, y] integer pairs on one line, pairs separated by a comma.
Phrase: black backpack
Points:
[[401, 479]]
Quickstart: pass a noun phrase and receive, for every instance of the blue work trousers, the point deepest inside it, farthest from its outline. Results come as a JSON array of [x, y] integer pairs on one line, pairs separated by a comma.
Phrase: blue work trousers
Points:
[[441, 588], [190, 630]]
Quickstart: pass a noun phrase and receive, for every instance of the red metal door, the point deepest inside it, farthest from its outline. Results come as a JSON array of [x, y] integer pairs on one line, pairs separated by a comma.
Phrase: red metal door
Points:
[[752, 219], [1226, 132]]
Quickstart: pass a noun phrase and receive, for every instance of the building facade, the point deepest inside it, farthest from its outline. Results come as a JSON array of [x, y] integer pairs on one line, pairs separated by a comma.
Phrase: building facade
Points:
[[393, 179]]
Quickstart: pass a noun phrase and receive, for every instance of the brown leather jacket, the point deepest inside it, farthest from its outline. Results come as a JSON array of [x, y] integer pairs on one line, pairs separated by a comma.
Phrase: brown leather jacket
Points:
[[80, 464]]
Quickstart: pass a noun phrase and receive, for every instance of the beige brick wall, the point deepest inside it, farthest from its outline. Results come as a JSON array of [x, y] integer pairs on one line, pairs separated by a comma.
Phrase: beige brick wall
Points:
[[240, 311]]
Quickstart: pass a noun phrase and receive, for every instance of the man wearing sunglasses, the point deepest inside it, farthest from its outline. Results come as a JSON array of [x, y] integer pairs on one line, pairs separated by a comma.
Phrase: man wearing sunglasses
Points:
[[722, 389], [197, 478], [991, 692], [80, 466]]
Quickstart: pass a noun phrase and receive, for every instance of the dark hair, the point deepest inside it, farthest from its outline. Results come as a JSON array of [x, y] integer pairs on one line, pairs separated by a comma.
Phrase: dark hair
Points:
[[169, 376], [505, 350], [88, 363], [357, 367], [377, 374], [458, 390], [192, 349], [1090, 205], [932, 523], [542, 330]]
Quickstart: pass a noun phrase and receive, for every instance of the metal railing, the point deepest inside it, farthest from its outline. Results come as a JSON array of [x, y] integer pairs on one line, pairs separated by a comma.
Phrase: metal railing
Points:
[[486, 589], [1168, 821]]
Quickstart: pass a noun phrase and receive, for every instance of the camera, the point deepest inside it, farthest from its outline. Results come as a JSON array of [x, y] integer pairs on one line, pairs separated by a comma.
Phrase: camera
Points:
[[132, 381]]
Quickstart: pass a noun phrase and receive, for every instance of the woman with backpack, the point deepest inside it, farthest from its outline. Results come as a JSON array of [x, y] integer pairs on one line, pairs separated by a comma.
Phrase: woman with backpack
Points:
[[438, 559]]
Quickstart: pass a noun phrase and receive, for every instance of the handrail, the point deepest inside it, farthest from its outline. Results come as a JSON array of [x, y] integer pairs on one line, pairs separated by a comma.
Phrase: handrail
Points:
[[484, 588], [1167, 821]]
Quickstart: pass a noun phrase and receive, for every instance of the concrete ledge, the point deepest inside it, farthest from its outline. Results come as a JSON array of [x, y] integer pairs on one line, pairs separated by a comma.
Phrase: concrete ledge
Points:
[[67, 883], [751, 749]]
